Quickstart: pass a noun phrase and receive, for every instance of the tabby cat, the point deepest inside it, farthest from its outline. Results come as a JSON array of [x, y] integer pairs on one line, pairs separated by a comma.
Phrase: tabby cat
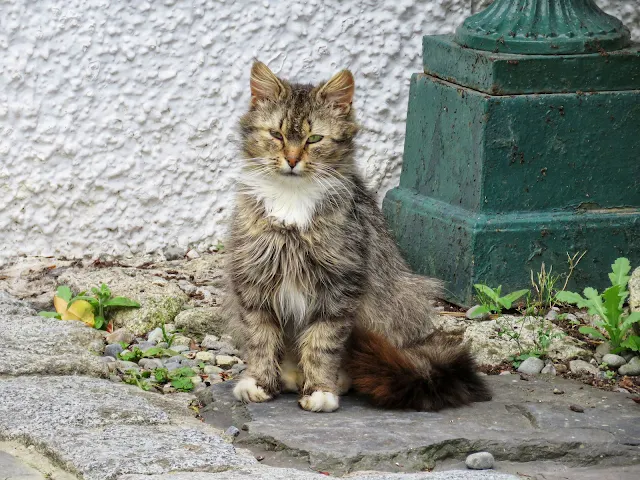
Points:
[[322, 299]]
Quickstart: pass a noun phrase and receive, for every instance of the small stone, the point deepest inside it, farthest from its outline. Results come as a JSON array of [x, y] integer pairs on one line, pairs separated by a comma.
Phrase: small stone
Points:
[[603, 349], [120, 335], [196, 379], [107, 359], [549, 370], [621, 390], [192, 254], [582, 367], [173, 253], [557, 391], [115, 378], [628, 356], [156, 335], [187, 362], [144, 346], [480, 461], [112, 350], [551, 315], [172, 366], [122, 366], [187, 287], [180, 348], [571, 318], [226, 361], [209, 342], [631, 368], [531, 366], [505, 372], [212, 370], [174, 359], [232, 431], [162, 345], [613, 360], [167, 388], [205, 356], [204, 395], [560, 367], [576, 408], [150, 363], [169, 328], [181, 340], [238, 368], [474, 314]]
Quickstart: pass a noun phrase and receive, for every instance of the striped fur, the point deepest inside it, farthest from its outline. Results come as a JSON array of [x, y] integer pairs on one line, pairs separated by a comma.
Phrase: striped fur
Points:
[[311, 262]]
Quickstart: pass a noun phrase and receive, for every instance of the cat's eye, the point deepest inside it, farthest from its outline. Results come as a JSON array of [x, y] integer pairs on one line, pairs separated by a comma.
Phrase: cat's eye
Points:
[[314, 138], [275, 134]]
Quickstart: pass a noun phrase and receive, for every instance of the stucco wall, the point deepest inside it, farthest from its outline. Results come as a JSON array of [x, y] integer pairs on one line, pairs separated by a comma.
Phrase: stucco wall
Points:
[[117, 117]]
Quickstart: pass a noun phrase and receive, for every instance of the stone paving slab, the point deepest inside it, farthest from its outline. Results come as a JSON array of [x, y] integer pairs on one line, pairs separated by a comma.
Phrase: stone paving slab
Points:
[[525, 422], [102, 430], [31, 344], [265, 473]]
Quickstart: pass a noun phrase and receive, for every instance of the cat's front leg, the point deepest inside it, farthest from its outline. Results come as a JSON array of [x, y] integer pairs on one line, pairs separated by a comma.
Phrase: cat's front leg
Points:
[[322, 347], [263, 345]]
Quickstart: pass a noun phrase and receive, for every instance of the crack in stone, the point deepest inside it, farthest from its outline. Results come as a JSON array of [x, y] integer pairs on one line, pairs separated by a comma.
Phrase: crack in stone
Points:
[[522, 410]]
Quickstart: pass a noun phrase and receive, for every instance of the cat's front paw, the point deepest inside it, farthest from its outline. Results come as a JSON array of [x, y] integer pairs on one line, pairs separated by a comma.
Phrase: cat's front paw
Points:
[[247, 390], [319, 401]]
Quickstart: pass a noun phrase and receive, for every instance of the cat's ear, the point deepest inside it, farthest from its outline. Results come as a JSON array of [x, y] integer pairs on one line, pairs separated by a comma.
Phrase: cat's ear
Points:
[[339, 91], [264, 84]]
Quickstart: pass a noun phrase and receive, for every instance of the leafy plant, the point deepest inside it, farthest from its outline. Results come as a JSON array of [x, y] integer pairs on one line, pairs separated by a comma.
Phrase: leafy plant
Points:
[[179, 378], [135, 354], [608, 307], [166, 337], [491, 300], [90, 309], [133, 377]]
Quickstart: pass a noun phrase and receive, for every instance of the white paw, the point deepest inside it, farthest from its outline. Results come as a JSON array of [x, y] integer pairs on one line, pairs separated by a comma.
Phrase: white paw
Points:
[[248, 391], [319, 402]]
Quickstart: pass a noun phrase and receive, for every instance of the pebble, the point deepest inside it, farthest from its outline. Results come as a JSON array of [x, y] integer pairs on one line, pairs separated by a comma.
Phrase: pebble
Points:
[[172, 366], [181, 340], [187, 362], [632, 368], [580, 366], [196, 379], [628, 356], [549, 370], [150, 363], [156, 335], [576, 408], [204, 396], [557, 391], [505, 372], [192, 254], [162, 345], [115, 378], [167, 388], [144, 346], [560, 367], [209, 342], [531, 366], [472, 313], [120, 335], [122, 366], [107, 359], [170, 327], [571, 317], [205, 356], [174, 359], [613, 360], [187, 287], [173, 253], [603, 349], [226, 361], [232, 431], [238, 368], [113, 350], [480, 461], [180, 348], [551, 315], [621, 390], [212, 370]]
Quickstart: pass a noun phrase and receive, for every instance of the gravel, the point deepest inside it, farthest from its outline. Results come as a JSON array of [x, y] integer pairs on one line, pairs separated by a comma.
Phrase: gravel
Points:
[[113, 350]]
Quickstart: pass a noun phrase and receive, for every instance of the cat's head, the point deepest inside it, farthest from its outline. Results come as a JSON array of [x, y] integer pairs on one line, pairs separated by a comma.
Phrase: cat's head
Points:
[[298, 130]]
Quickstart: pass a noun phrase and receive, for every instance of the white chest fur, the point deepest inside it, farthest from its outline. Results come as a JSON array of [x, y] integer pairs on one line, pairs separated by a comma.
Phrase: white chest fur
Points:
[[290, 200]]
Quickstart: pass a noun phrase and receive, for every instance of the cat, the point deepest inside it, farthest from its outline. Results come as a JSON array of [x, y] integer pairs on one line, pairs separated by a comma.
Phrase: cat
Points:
[[322, 300]]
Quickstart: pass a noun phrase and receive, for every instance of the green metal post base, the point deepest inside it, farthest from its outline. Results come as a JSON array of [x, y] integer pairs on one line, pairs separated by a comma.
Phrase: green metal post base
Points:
[[499, 177], [463, 247]]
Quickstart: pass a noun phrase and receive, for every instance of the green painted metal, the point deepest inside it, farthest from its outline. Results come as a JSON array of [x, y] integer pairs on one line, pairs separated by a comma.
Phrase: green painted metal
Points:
[[493, 185], [504, 74], [546, 27]]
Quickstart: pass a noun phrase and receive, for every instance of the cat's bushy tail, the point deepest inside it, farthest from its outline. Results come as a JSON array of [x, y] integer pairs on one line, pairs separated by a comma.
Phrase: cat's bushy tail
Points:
[[438, 373]]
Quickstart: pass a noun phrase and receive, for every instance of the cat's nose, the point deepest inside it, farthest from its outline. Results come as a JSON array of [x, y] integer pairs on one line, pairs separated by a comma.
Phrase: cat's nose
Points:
[[293, 160]]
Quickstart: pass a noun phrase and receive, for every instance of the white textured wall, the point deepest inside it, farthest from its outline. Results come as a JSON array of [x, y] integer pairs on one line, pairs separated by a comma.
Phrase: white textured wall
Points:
[[117, 117]]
